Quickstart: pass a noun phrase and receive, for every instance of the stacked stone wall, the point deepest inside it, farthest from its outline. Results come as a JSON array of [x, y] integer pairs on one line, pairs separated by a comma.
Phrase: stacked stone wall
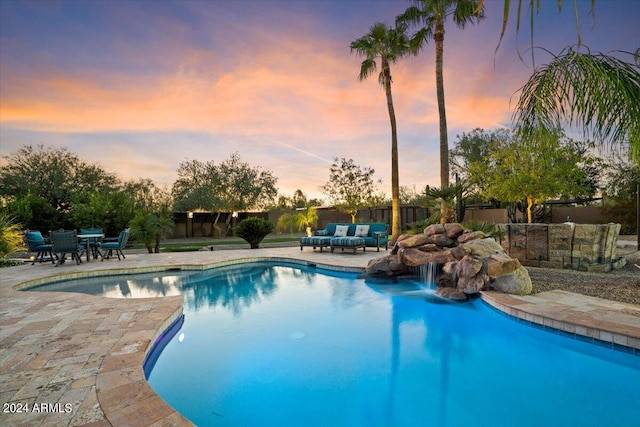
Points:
[[585, 247]]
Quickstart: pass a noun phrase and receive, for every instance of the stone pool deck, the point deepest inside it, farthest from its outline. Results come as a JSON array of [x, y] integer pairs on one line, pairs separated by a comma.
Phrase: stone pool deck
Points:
[[73, 359]]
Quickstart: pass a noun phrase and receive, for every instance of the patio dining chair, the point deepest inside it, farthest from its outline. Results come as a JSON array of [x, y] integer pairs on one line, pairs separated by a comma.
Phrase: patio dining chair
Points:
[[65, 242], [117, 246], [38, 244]]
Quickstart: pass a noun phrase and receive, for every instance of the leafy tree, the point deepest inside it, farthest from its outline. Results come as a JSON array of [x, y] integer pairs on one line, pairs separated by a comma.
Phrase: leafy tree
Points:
[[350, 187], [298, 200], [473, 150], [431, 15], [55, 174], [111, 211], [622, 181], [195, 189], [388, 44], [409, 196], [230, 186], [35, 213], [598, 92], [147, 195], [622, 177], [535, 170], [242, 186]]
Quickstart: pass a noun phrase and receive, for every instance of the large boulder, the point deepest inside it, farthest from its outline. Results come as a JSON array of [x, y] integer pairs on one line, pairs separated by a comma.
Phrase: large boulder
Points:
[[468, 266], [473, 235], [517, 282], [414, 257], [453, 230], [452, 294], [471, 276], [388, 265], [498, 265], [435, 229], [484, 248], [412, 241], [441, 240], [472, 285]]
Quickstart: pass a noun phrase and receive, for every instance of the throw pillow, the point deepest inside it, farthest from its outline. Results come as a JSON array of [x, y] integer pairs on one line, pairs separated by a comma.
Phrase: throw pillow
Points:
[[341, 230], [362, 231]]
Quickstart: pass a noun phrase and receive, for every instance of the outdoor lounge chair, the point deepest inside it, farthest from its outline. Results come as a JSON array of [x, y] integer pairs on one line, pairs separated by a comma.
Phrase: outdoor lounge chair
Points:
[[36, 243], [117, 246], [65, 242]]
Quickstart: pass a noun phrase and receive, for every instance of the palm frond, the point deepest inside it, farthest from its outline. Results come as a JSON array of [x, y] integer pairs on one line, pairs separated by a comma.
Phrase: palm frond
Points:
[[597, 92]]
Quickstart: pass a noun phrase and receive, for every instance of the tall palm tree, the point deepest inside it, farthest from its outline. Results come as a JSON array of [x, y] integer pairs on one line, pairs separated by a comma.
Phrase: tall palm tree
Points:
[[431, 16], [388, 44]]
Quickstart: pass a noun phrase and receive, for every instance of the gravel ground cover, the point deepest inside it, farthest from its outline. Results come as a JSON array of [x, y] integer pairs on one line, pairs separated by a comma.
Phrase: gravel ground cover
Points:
[[619, 285]]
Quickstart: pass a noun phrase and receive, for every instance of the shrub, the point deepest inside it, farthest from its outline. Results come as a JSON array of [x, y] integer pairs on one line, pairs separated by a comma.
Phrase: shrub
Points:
[[253, 230], [10, 236], [624, 212]]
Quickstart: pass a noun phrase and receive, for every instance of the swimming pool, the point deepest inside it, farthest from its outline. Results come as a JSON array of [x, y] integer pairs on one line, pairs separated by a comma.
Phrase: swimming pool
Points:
[[266, 344]]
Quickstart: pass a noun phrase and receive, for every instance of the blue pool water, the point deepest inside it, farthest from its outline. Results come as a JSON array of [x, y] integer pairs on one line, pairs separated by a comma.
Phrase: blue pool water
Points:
[[283, 345]]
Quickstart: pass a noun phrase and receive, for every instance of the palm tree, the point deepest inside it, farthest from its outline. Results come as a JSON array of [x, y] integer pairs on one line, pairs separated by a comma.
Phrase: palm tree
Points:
[[598, 92], [431, 15], [304, 219], [388, 44], [151, 226], [448, 199]]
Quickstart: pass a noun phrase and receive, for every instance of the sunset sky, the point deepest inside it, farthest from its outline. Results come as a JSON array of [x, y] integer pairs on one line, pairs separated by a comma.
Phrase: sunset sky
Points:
[[140, 86]]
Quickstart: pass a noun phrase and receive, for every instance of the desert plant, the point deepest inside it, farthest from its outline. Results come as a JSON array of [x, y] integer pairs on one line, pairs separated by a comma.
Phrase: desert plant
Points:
[[487, 228], [253, 230], [304, 219], [447, 199], [10, 235], [418, 227]]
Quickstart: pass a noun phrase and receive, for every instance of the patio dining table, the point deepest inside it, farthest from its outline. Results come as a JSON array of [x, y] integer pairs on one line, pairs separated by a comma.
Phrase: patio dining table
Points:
[[92, 242]]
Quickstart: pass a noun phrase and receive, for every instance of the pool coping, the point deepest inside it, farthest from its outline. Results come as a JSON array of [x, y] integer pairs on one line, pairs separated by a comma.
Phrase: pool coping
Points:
[[606, 323], [100, 366]]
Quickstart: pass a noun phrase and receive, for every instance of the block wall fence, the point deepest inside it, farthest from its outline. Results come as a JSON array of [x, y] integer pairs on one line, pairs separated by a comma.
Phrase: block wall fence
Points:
[[585, 247]]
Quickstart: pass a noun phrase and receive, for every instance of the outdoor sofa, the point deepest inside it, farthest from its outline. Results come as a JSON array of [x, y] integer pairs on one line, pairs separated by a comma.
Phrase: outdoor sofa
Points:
[[348, 236]]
